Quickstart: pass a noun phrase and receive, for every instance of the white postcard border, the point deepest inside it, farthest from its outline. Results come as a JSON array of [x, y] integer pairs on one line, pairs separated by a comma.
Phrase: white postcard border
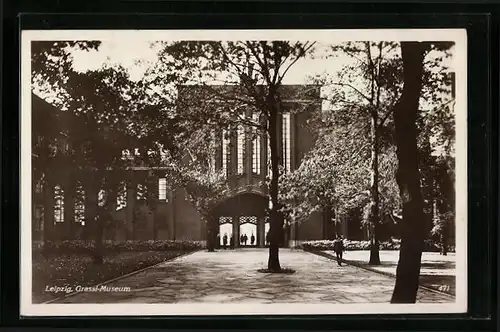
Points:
[[30, 309]]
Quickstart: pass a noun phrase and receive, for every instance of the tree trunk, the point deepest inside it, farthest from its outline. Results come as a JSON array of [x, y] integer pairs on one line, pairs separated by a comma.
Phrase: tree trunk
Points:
[[408, 177], [374, 204], [275, 224]]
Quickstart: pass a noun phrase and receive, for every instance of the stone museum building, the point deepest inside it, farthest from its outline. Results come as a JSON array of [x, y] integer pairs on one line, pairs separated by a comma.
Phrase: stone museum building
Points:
[[60, 206]]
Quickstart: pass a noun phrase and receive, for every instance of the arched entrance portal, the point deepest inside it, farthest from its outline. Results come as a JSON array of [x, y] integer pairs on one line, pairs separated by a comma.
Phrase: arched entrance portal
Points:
[[241, 215]]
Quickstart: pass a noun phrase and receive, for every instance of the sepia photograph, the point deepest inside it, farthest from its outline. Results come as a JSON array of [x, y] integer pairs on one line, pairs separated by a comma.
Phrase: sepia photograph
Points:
[[243, 172]]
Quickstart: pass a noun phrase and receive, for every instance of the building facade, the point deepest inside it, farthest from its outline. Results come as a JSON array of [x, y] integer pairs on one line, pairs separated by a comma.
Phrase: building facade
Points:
[[243, 156]]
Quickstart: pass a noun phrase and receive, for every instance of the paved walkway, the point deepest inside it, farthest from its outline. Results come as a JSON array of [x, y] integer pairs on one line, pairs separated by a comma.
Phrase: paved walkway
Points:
[[437, 271], [231, 276]]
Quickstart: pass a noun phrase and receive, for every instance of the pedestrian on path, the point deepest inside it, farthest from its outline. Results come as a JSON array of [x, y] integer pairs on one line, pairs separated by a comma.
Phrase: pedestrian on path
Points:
[[245, 239], [338, 247], [252, 239], [224, 241]]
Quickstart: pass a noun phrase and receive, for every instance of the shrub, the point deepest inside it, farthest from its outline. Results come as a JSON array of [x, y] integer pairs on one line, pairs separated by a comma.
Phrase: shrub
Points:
[[393, 244], [83, 246]]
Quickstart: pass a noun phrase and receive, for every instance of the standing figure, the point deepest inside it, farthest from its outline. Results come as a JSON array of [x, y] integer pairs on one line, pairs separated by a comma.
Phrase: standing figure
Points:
[[224, 241], [338, 247], [245, 239], [252, 239], [242, 238]]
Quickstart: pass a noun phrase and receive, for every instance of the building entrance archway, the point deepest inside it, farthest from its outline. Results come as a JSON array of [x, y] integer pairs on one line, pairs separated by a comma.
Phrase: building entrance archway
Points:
[[241, 215]]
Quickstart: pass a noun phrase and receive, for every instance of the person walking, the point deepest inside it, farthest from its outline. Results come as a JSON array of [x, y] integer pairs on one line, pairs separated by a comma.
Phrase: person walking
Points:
[[245, 239], [252, 239], [338, 247], [224, 241]]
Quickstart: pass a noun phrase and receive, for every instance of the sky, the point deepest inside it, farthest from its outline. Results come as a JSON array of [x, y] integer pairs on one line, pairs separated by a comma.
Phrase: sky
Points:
[[137, 60]]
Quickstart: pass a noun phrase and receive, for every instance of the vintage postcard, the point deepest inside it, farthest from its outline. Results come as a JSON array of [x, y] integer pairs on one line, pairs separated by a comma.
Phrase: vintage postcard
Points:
[[229, 172]]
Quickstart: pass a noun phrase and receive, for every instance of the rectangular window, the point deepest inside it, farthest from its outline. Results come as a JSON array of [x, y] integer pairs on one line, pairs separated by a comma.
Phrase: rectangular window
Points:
[[286, 142], [58, 204], [225, 151], [162, 189], [241, 148]]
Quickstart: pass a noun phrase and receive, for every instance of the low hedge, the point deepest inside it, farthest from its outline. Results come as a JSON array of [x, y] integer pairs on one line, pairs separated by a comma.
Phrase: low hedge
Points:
[[393, 244], [79, 246]]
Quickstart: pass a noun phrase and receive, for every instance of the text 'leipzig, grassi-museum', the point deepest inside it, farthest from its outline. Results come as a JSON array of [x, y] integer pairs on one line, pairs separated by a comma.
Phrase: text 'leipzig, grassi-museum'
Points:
[[246, 163]]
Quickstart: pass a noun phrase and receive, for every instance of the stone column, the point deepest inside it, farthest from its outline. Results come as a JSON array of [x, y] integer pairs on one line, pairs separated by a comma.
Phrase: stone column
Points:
[[233, 156], [218, 151]]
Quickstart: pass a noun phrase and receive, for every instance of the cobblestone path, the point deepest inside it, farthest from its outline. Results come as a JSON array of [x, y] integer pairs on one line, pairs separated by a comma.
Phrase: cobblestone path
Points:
[[230, 276]]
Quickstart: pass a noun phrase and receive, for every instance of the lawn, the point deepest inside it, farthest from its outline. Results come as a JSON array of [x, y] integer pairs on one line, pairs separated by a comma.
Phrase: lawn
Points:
[[78, 270]]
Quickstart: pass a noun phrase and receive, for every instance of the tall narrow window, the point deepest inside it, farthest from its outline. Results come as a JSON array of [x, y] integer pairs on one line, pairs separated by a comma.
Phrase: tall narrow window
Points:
[[79, 204], [225, 151], [141, 192], [241, 148], [39, 218], [58, 204], [101, 197], [162, 189], [121, 196], [286, 142], [256, 148]]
